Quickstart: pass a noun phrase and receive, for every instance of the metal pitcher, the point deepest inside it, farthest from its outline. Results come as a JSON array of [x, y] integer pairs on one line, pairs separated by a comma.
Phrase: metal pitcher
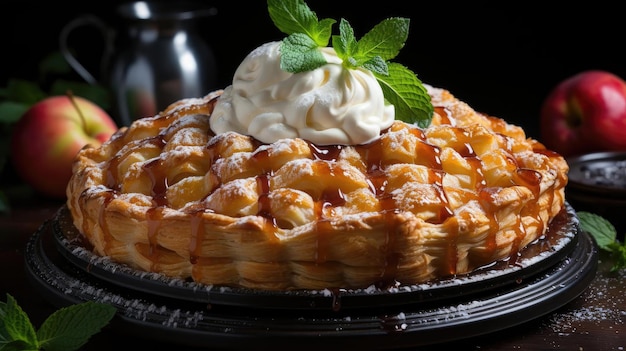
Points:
[[154, 56]]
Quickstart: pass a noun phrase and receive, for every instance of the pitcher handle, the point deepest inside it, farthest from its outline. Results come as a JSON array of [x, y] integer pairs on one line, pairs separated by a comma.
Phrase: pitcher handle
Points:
[[85, 20]]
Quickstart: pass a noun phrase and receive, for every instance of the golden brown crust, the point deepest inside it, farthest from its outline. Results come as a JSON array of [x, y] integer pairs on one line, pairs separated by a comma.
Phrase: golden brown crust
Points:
[[166, 195]]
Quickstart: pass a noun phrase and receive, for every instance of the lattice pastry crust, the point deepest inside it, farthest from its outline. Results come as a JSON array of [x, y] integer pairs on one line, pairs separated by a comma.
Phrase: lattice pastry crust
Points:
[[167, 195]]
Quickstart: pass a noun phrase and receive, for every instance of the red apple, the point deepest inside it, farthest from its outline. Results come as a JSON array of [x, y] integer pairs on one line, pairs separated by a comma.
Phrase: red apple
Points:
[[48, 136], [585, 113]]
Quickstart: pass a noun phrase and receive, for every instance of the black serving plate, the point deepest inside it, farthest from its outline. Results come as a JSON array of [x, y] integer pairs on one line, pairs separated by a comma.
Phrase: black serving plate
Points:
[[601, 173], [597, 183], [558, 243], [227, 318]]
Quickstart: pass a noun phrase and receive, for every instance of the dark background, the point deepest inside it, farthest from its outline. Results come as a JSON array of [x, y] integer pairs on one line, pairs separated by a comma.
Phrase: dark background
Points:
[[500, 57]]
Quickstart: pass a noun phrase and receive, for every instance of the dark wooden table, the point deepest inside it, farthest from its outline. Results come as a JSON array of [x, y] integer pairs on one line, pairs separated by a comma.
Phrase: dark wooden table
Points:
[[595, 320]]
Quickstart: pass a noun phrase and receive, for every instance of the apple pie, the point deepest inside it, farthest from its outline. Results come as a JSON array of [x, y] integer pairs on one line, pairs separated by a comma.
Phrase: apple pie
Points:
[[167, 194]]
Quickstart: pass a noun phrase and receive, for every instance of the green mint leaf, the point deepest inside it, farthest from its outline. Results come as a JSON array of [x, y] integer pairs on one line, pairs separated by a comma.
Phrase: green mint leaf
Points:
[[405, 91], [377, 65], [299, 53], [16, 345], [4, 334], [71, 327], [618, 255], [605, 235], [296, 17], [599, 228], [16, 328], [345, 44], [384, 40]]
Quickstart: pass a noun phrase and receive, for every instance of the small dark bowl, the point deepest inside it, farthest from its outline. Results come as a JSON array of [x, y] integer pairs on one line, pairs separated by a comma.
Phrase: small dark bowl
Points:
[[597, 184]]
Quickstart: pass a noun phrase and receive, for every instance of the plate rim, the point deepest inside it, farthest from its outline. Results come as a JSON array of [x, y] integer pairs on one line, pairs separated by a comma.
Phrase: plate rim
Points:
[[155, 283], [398, 326]]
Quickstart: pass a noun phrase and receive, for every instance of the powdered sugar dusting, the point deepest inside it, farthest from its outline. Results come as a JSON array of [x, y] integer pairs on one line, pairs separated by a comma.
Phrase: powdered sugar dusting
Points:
[[604, 303]]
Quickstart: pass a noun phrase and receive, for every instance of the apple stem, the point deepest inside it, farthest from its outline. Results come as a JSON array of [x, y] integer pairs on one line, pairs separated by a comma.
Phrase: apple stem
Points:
[[70, 95]]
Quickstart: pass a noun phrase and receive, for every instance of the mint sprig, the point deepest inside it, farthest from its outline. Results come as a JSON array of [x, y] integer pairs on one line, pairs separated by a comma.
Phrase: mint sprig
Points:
[[407, 94], [296, 17], [299, 53], [66, 329], [605, 235], [306, 34]]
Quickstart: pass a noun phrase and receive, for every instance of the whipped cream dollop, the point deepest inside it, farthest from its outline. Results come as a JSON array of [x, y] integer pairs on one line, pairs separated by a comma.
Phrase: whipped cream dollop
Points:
[[330, 105]]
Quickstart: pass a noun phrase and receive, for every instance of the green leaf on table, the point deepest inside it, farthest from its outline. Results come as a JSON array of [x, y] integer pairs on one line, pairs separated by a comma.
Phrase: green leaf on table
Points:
[[618, 254], [15, 327], [67, 329], [605, 235], [71, 327], [600, 229]]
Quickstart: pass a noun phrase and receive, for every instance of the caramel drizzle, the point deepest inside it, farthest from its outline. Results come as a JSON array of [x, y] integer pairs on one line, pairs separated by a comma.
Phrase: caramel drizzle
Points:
[[377, 179], [197, 236], [155, 217]]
